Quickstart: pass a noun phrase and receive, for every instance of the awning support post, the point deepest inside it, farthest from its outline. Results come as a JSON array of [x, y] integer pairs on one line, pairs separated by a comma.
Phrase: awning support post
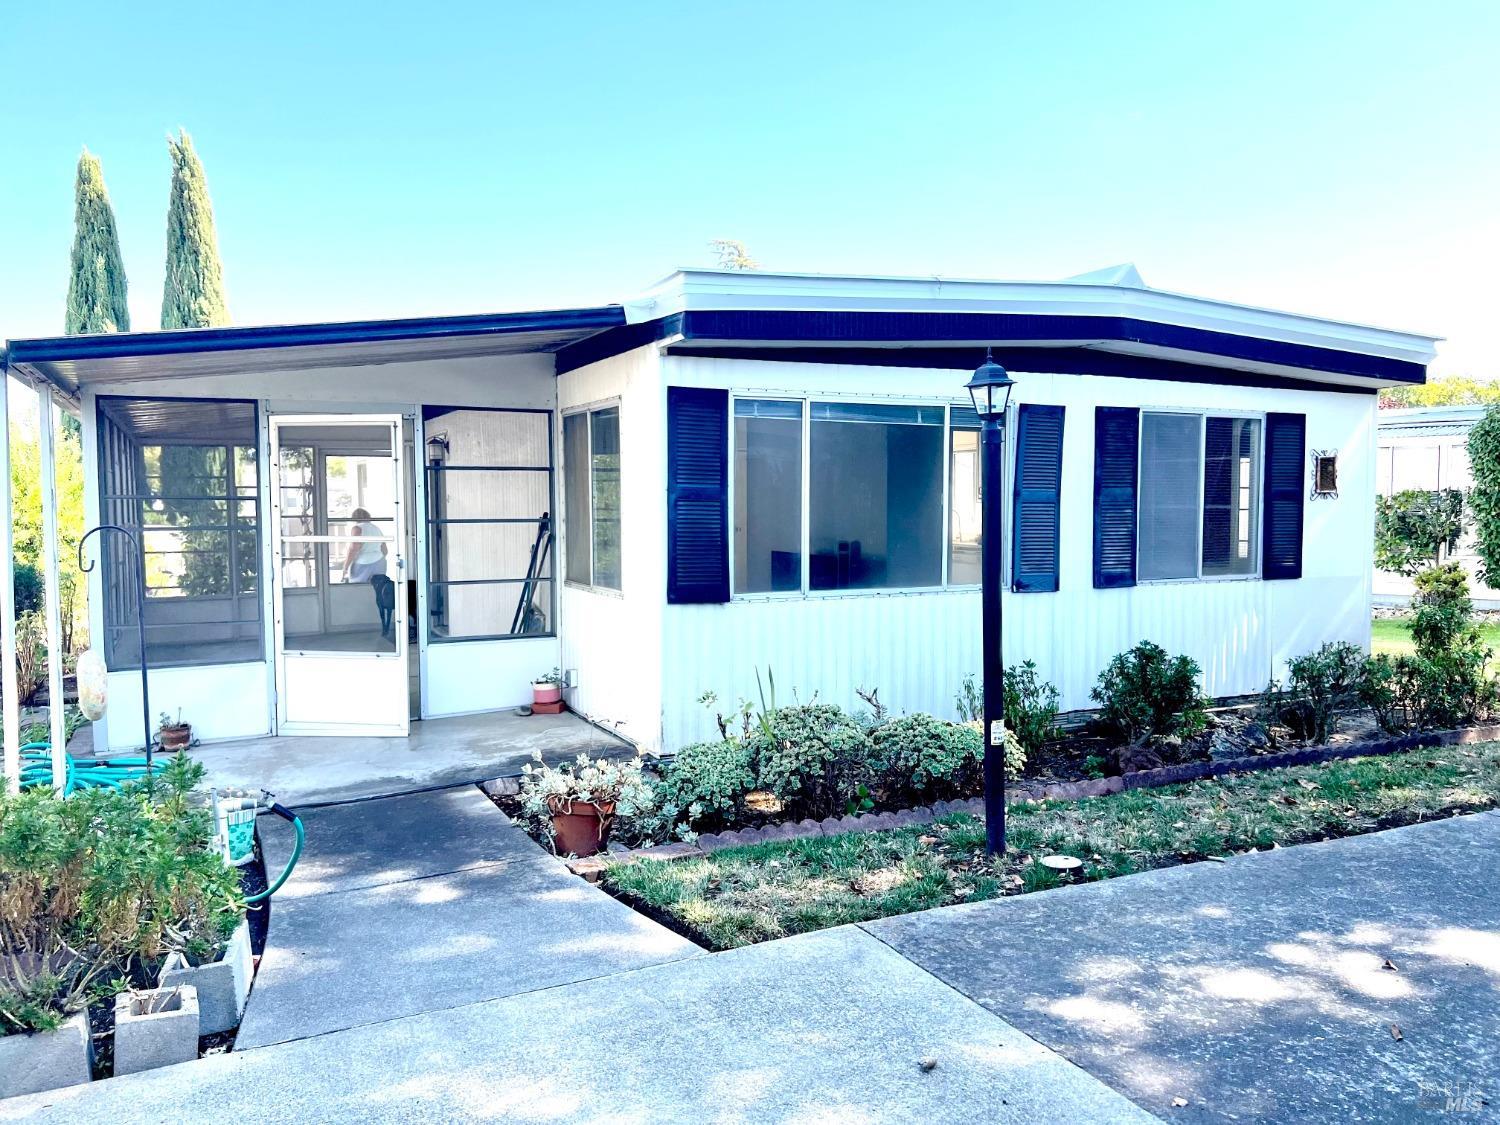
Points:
[[10, 709], [52, 586]]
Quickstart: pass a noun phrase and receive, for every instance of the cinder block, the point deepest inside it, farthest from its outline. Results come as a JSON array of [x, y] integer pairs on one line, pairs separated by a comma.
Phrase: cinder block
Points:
[[223, 986], [45, 1060], [155, 1027]]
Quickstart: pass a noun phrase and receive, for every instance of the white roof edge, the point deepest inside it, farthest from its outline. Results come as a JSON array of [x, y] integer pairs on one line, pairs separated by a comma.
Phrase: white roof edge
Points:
[[704, 289]]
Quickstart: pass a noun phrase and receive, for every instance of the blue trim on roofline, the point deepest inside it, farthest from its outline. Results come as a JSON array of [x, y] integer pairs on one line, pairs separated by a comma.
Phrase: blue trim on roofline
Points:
[[116, 345], [1052, 361], [851, 329]]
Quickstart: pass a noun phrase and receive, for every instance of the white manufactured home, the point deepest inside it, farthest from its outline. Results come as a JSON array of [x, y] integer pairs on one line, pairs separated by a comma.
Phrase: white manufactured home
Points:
[[349, 527]]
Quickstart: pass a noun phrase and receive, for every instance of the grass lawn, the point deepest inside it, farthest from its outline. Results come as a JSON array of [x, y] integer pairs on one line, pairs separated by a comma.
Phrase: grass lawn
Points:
[[1392, 635], [743, 895]]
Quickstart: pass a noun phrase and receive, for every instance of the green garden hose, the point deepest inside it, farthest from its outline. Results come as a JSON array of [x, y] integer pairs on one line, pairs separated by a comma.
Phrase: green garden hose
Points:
[[296, 823], [97, 773]]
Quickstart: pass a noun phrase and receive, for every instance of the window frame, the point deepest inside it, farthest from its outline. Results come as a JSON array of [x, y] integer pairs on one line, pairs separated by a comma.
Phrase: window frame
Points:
[[1256, 493], [806, 400], [588, 410], [429, 584]]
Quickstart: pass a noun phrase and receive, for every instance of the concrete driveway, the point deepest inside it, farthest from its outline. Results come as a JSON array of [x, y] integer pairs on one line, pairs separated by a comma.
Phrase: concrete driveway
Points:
[[1355, 980]]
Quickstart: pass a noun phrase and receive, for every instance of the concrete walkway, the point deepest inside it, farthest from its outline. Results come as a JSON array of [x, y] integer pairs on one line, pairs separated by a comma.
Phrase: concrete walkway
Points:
[[420, 903], [1262, 989], [305, 770]]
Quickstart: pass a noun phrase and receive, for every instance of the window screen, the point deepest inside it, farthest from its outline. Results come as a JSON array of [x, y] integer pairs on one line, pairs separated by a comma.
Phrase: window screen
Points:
[[767, 495], [965, 503], [489, 527], [1171, 475], [591, 485], [876, 484], [182, 475]]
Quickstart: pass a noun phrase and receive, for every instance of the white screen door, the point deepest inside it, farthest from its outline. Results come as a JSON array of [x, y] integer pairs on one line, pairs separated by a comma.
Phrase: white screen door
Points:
[[338, 538]]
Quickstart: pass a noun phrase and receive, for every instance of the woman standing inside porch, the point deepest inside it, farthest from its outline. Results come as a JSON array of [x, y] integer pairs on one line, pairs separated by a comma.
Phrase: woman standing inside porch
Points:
[[365, 562]]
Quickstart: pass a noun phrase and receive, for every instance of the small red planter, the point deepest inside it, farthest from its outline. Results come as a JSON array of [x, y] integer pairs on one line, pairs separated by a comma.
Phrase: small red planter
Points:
[[579, 827], [542, 693], [178, 736]]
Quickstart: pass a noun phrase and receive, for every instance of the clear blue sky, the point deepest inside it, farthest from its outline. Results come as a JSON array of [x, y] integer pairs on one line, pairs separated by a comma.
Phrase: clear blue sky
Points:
[[399, 159]]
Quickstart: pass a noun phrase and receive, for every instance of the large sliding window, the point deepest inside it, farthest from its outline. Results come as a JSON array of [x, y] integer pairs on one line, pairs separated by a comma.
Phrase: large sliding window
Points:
[[1199, 496], [489, 525], [832, 496], [182, 475], [591, 483]]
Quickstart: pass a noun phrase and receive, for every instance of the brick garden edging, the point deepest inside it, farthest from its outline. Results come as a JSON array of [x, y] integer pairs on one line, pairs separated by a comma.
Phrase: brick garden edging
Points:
[[591, 867]]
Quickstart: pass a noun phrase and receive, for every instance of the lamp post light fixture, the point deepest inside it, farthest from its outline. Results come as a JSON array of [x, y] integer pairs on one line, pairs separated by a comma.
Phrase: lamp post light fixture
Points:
[[990, 389]]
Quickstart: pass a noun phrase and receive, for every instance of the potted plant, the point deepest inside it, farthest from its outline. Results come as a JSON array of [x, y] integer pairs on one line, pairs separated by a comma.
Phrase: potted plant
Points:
[[546, 693], [174, 734], [581, 799]]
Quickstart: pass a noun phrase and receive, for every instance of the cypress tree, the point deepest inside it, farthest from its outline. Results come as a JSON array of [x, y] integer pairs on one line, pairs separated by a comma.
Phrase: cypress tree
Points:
[[96, 283], [193, 296]]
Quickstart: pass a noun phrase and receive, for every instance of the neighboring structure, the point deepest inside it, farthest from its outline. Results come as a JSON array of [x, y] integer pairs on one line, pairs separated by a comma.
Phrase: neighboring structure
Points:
[[743, 471], [1427, 448]]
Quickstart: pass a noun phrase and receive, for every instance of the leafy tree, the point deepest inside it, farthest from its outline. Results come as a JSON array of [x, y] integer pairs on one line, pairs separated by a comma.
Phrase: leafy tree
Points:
[[193, 296], [1415, 528], [96, 283], [1484, 496], [1450, 390], [26, 519], [733, 255]]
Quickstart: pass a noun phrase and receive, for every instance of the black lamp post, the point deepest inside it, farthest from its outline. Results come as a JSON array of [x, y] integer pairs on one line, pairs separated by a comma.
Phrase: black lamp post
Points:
[[990, 389]]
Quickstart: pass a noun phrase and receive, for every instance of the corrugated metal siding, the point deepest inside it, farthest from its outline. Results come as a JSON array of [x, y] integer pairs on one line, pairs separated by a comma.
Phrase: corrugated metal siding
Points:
[[613, 640]]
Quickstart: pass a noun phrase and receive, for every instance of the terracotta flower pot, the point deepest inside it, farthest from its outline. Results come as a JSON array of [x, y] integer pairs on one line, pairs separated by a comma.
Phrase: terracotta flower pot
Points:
[[178, 737], [579, 827], [546, 693]]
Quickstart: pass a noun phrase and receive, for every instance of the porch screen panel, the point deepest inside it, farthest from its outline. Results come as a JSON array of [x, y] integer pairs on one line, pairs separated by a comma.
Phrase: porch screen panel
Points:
[[490, 534], [182, 476]]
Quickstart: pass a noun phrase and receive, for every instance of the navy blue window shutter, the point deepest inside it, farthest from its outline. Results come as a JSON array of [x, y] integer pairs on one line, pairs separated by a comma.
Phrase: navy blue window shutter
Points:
[[1281, 518], [697, 495], [1039, 434], [1117, 437]]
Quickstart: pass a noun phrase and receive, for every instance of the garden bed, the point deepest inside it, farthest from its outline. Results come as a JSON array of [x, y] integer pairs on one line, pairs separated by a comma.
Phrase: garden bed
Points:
[[104, 892], [740, 895]]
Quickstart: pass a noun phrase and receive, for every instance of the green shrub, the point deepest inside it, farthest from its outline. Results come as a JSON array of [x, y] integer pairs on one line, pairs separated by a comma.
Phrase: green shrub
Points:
[[104, 885], [1319, 685], [28, 587], [704, 786], [969, 701], [1145, 692], [813, 757], [1484, 496], [1414, 528], [1445, 682], [919, 758], [1030, 706]]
